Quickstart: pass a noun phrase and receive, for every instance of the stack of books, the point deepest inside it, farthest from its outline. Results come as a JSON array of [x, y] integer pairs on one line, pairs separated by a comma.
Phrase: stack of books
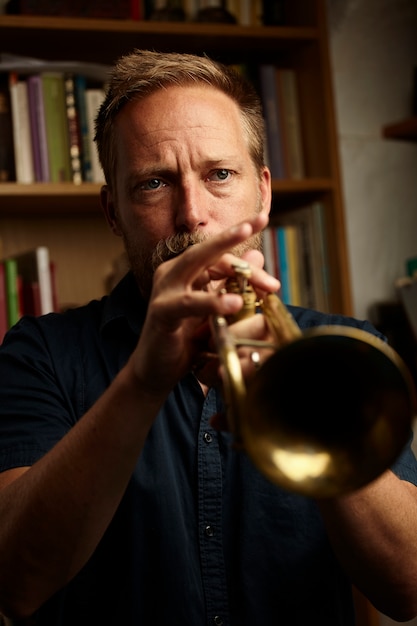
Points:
[[27, 287], [284, 139], [295, 251], [47, 121]]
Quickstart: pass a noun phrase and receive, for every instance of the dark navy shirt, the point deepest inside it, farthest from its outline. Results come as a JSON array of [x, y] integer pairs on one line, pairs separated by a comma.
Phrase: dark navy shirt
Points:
[[200, 537]]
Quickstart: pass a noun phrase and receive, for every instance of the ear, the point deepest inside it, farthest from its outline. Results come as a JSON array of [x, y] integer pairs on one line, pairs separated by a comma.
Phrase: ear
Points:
[[109, 209], [265, 189]]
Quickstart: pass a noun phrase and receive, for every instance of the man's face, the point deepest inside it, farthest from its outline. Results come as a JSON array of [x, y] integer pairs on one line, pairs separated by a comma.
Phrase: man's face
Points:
[[183, 172]]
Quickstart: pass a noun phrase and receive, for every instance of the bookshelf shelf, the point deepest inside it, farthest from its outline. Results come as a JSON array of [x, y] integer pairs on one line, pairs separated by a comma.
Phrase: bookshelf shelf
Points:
[[66, 198], [115, 37], [301, 44], [49, 198]]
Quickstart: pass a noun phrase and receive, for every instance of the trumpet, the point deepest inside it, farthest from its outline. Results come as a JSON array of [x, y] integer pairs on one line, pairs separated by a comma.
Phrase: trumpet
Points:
[[328, 412]]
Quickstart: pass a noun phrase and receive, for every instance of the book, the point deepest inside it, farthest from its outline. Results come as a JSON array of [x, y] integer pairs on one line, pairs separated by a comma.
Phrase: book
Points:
[[285, 293], [269, 249], [7, 167], [321, 253], [22, 141], [56, 126], [291, 232], [34, 268], [310, 263], [94, 97], [269, 96], [74, 130], [4, 324], [34, 132], [13, 292], [290, 122], [54, 286], [80, 86], [38, 128]]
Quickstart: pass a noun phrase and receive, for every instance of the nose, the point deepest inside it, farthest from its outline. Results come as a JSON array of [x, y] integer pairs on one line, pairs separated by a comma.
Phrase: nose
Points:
[[192, 210]]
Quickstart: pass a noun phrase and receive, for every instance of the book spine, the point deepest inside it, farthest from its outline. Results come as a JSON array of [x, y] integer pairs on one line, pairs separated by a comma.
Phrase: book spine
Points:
[[80, 86], [302, 218], [321, 240], [45, 281], [308, 298], [283, 265], [56, 127], [74, 133], [7, 165], [270, 251], [12, 292], [293, 261], [21, 129], [34, 129], [272, 119], [291, 124], [31, 298], [36, 86], [136, 10], [4, 324], [54, 286]]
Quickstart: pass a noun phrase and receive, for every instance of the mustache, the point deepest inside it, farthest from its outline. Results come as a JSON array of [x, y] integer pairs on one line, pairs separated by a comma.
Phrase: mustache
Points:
[[173, 246]]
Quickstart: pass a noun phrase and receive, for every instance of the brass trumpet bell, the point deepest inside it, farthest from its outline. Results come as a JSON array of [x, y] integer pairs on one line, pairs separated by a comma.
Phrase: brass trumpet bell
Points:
[[327, 413]]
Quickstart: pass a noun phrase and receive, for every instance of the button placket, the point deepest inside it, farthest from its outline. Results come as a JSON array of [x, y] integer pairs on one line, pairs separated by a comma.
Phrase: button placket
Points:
[[210, 489]]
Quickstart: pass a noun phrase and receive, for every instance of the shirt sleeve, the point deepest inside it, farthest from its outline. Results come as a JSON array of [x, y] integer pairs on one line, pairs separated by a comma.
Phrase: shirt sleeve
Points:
[[35, 409], [405, 467]]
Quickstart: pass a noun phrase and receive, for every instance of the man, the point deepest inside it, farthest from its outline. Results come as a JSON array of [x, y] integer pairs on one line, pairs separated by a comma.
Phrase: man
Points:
[[120, 504]]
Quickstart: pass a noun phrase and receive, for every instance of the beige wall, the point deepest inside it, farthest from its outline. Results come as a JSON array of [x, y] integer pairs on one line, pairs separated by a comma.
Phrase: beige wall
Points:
[[374, 49]]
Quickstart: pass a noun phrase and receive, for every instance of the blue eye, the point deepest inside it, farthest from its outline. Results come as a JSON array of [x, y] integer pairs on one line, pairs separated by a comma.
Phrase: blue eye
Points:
[[220, 175], [153, 183]]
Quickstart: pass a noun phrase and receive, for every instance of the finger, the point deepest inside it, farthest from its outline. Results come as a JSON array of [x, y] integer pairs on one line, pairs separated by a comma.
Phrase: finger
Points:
[[260, 279], [254, 258], [188, 266]]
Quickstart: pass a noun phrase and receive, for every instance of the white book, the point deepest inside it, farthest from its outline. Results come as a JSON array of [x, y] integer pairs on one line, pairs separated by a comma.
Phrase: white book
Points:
[[268, 248], [22, 141]]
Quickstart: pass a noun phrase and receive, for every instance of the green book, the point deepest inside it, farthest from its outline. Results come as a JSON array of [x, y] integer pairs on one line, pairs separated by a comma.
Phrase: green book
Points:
[[12, 291], [56, 126]]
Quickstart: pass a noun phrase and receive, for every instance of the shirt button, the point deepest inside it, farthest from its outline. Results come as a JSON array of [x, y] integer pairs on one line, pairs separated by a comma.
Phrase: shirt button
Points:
[[208, 437], [209, 530], [218, 620]]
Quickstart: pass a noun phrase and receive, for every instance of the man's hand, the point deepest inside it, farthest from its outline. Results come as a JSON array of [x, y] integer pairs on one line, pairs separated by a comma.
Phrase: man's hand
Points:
[[182, 301]]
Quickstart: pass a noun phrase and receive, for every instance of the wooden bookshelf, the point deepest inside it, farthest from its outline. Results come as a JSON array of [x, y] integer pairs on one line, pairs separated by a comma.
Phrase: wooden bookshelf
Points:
[[301, 44], [67, 217]]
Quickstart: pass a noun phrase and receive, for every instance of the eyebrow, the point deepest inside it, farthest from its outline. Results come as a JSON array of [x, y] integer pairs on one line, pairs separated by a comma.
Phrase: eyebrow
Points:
[[156, 171]]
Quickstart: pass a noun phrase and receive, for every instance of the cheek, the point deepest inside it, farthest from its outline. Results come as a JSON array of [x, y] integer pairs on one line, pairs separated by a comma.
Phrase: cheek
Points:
[[143, 230]]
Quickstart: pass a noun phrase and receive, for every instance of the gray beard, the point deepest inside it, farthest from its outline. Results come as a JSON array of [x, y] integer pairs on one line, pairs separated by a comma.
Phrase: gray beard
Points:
[[143, 264]]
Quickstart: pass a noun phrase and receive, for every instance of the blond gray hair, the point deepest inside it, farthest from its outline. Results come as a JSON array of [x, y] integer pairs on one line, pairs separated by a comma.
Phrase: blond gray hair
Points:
[[143, 72]]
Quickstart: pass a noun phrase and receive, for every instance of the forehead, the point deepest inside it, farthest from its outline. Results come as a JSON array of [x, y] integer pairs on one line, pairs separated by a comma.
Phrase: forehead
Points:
[[182, 108]]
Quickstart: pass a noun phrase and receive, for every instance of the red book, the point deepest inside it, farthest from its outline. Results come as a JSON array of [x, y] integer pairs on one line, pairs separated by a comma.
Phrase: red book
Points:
[[3, 303]]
